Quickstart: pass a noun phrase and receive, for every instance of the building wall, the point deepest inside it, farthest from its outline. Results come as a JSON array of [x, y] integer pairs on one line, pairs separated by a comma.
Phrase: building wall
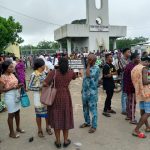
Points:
[[80, 43], [97, 39], [117, 31], [71, 30], [92, 12]]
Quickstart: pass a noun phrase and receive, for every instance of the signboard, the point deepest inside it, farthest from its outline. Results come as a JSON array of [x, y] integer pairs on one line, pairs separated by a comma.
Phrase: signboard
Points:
[[99, 28], [76, 64]]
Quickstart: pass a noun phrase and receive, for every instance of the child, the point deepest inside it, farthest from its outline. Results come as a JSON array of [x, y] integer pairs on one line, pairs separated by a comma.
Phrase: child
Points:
[[35, 84]]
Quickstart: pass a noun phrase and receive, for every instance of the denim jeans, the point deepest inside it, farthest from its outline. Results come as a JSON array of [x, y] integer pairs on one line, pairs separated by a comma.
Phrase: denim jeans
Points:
[[123, 98], [124, 101]]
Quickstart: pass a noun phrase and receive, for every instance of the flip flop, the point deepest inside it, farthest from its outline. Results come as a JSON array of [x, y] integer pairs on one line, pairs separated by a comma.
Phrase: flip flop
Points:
[[139, 135], [40, 134], [133, 122], [147, 130], [84, 125], [15, 136], [49, 131], [127, 118], [20, 131]]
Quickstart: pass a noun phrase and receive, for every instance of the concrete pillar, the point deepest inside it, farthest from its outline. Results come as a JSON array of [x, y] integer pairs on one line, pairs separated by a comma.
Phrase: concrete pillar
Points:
[[114, 43], [60, 44], [69, 46]]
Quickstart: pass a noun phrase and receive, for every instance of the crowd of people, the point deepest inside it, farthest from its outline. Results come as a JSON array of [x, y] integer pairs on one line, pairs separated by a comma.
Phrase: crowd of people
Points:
[[133, 69]]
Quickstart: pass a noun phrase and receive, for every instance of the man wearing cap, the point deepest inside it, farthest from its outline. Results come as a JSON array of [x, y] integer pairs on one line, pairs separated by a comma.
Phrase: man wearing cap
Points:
[[142, 92], [90, 93]]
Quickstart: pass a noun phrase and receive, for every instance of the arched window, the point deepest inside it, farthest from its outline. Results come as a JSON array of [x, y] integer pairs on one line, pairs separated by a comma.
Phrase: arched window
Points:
[[98, 4]]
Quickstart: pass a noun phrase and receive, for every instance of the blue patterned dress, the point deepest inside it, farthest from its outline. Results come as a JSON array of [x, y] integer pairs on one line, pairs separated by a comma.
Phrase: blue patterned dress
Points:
[[90, 95]]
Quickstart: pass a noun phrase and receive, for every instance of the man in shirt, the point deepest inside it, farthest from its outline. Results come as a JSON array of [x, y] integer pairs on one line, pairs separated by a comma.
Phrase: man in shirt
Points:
[[108, 84], [90, 93], [122, 64], [129, 88], [142, 91]]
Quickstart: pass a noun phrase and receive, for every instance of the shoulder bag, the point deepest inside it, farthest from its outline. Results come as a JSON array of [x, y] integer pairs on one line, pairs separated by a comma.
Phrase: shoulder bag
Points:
[[25, 102], [48, 93]]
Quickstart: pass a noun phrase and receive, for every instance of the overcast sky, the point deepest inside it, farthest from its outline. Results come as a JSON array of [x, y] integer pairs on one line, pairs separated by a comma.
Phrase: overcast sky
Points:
[[135, 14]]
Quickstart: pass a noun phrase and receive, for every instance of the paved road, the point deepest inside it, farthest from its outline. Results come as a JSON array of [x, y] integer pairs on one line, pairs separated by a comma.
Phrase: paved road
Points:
[[112, 134]]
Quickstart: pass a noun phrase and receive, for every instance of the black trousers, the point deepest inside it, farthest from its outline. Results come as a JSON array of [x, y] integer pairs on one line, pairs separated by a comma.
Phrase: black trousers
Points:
[[109, 93]]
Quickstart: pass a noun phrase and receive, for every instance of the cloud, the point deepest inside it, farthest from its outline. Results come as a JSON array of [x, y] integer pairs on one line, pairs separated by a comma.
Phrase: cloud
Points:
[[133, 13]]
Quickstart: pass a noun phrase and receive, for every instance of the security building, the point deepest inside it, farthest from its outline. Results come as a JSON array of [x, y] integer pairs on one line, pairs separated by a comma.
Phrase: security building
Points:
[[95, 33]]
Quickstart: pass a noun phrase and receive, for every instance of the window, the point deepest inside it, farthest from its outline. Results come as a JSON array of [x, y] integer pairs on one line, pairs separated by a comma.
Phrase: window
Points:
[[98, 4]]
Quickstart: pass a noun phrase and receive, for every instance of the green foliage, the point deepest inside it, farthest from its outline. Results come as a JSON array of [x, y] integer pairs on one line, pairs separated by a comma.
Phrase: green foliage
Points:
[[9, 30], [48, 45], [43, 46], [127, 42]]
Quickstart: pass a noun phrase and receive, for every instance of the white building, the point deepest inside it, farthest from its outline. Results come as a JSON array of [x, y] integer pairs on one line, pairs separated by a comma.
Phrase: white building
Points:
[[141, 47], [93, 35]]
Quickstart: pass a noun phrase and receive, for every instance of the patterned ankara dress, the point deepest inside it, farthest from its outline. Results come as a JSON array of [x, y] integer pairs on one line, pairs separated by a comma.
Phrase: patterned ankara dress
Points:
[[35, 84], [90, 95], [60, 114]]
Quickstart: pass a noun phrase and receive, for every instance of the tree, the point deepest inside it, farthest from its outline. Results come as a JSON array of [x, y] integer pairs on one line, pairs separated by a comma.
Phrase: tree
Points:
[[51, 46], [127, 42], [9, 32], [48, 45]]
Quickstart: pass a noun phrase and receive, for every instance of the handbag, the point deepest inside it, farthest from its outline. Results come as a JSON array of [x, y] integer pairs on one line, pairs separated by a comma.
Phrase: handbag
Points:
[[25, 102], [48, 93]]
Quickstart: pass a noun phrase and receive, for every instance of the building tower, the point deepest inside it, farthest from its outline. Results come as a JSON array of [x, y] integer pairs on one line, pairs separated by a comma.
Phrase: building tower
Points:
[[97, 12]]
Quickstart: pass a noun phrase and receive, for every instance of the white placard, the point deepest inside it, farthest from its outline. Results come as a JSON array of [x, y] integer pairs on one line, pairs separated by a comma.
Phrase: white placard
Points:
[[76, 64]]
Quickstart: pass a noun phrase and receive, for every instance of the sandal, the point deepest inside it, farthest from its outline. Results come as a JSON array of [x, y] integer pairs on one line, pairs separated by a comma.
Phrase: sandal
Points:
[[15, 136], [20, 131], [84, 125], [58, 145], [133, 122], [111, 111], [49, 131], [92, 130], [67, 144], [106, 114], [40, 134], [139, 135], [147, 130], [127, 118]]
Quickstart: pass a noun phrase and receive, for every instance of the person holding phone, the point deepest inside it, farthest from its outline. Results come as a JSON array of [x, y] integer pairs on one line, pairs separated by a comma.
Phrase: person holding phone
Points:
[[90, 93], [11, 97]]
